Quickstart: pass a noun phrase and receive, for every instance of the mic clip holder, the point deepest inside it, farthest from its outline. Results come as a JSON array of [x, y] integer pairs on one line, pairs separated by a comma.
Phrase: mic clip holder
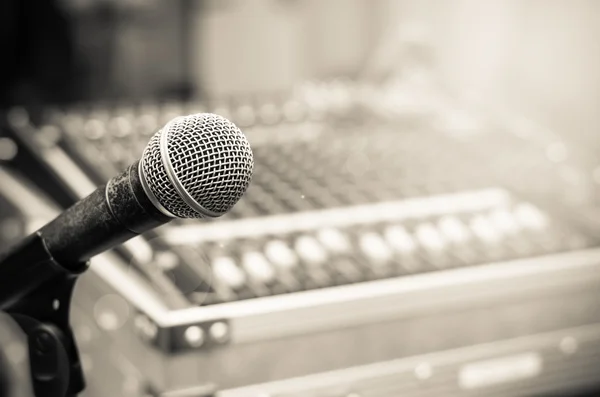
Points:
[[36, 292]]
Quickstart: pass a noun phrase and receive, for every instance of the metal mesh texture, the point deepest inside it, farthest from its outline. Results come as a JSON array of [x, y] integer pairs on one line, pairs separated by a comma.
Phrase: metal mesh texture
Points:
[[211, 158], [160, 184]]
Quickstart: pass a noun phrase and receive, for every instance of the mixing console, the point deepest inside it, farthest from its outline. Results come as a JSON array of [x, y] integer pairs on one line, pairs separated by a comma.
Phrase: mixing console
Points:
[[362, 226], [356, 180]]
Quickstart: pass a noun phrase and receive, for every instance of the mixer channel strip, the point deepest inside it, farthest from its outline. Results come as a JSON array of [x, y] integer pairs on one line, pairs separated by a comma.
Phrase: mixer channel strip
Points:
[[247, 266]]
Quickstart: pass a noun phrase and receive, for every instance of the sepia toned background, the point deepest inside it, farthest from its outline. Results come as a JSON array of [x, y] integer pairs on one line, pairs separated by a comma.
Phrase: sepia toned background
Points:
[[423, 220]]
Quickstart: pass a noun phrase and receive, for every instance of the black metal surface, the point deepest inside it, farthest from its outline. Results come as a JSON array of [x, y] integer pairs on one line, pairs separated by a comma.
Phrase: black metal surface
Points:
[[108, 217], [26, 267], [130, 205], [83, 230]]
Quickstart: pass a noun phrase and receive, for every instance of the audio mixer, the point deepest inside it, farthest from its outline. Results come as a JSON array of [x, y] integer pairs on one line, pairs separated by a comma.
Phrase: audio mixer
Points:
[[377, 257]]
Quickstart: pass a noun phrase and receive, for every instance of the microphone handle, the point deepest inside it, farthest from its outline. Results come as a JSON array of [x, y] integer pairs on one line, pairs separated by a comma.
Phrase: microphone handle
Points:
[[109, 216]]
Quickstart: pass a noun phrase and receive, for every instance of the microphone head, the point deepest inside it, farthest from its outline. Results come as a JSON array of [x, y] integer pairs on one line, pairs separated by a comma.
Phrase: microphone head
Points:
[[196, 166]]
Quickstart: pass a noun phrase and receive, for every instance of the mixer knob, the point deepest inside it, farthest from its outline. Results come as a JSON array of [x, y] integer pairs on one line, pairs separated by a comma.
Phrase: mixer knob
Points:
[[400, 239], [334, 240], [454, 230], [281, 255], [504, 220], [228, 273], [485, 230], [375, 248], [310, 250], [530, 217], [430, 238], [257, 267]]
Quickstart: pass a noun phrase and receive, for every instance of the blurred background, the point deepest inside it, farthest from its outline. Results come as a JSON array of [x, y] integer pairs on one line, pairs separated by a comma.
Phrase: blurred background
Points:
[[425, 211], [537, 56]]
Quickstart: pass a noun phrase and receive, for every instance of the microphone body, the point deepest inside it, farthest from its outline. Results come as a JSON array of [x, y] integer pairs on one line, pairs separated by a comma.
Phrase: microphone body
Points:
[[196, 166], [111, 215]]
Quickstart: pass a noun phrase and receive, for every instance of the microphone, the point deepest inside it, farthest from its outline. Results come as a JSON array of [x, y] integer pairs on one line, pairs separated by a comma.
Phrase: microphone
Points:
[[196, 166]]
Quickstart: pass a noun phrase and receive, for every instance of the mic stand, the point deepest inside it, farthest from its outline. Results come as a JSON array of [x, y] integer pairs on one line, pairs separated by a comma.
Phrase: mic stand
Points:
[[36, 292]]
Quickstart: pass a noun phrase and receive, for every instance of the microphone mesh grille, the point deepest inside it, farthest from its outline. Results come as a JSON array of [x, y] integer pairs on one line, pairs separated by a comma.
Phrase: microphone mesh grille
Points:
[[210, 157]]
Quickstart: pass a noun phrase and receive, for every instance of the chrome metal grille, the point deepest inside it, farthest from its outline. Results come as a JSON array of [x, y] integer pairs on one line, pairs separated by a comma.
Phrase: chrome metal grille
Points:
[[210, 157]]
